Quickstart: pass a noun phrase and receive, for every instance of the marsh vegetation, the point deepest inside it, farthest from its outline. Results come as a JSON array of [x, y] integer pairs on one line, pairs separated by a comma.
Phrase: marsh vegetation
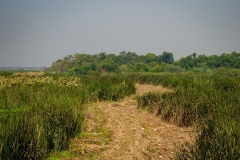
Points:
[[40, 114]]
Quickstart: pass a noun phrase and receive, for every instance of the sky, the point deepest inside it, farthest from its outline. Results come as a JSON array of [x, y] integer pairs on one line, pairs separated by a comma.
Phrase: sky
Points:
[[36, 33]]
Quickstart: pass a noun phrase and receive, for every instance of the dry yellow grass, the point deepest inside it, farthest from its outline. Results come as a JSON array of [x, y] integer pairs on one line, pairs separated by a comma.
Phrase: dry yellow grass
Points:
[[146, 88], [37, 77], [131, 133]]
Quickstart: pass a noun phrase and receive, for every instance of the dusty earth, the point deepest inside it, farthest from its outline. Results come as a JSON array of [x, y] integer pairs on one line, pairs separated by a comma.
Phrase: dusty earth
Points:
[[118, 130]]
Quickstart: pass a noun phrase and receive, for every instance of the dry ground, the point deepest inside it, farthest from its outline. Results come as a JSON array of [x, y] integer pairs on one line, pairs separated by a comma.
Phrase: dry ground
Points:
[[118, 130]]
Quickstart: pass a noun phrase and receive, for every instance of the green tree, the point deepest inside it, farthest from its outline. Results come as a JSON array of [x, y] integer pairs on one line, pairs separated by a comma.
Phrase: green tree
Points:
[[140, 67], [102, 56], [62, 65], [150, 57], [128, 57], [157, 69], [167, 57]]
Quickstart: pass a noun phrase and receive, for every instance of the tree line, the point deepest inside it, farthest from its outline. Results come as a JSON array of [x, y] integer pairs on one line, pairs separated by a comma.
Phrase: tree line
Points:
[[214, 61], [132, 62]]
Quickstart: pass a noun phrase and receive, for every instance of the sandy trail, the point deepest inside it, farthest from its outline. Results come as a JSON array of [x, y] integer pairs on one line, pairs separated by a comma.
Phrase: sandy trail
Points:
[[118, 130]]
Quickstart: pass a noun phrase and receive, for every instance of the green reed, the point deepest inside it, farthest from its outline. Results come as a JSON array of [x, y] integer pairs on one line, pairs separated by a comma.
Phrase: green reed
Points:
[[38, 118], [211, 103]]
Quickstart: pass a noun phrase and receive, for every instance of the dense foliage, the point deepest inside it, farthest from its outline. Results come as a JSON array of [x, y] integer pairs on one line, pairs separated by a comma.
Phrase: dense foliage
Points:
[[214, 61], [111, 63], [130, 62]]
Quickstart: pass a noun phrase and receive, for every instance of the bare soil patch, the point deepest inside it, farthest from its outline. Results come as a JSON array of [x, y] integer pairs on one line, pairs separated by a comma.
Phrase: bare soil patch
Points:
[[146, 88], [118, 130]]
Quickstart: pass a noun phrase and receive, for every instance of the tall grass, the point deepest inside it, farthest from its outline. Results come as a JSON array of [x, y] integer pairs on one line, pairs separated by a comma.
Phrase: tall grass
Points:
[[211, 103], [108, 87], [39, 114], [38, 119]]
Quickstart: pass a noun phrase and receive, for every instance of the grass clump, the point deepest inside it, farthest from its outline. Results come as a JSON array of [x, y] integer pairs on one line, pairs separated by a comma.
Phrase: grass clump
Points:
[[211, 103], [39, 114]]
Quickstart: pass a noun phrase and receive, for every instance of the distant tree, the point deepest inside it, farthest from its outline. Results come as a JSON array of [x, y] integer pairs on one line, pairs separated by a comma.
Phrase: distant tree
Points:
[[150, 57], [124, 68], [153, 64], [131, 62], [157, 69], [167, 57], [236, 59], [128, 57], [194, 55], [62, 65], [102, 56], [188, 62], [81, 58], [78, 70], [140, 67], [202, 58]]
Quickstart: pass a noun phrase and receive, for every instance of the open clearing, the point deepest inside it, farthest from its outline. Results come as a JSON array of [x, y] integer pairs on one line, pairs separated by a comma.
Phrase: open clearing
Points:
[[118, 130]]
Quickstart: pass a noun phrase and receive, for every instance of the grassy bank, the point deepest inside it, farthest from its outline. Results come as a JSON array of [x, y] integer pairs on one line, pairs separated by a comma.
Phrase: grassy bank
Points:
[[208, 101]]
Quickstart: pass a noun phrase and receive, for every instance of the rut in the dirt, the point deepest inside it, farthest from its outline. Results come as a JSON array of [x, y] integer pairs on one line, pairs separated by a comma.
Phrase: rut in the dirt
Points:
[[118, 130]]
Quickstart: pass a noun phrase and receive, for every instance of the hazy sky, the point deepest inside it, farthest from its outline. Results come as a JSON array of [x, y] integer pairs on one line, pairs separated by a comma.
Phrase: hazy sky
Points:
[[38, 32]]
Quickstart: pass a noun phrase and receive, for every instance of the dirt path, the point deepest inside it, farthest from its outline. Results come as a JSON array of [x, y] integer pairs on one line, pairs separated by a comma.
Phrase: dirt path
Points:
[[118, 130]]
